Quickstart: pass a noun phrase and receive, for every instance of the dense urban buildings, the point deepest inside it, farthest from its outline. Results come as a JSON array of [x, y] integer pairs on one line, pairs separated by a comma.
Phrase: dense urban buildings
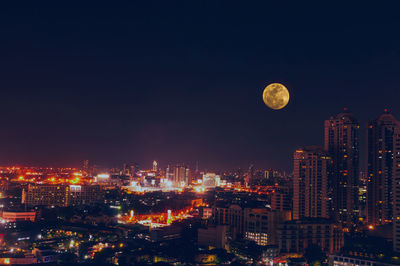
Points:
[[131, 216]]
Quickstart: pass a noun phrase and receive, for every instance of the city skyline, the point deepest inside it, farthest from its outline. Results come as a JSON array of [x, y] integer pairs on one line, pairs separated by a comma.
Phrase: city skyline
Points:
[[184, 82]]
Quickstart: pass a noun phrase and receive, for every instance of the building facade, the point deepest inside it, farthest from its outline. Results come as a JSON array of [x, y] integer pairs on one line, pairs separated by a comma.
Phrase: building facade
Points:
[[216, 236], [311, 191]]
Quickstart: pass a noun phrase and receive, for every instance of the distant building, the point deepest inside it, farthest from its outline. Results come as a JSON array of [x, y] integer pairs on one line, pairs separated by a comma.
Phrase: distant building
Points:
[[206, 212], [380, 172], [216, 236], [13, 216], [342, 143], [210, 180], [85, 167], [164, 233], [358, 259], [45, 254], [61, 195], [155, 166], [396, 189], [295, 236], [179, 175], [16, 259], [311, 173]]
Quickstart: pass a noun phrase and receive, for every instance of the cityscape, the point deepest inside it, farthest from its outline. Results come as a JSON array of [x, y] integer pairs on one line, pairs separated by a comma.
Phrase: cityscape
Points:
[[199, 133], [327, 210]]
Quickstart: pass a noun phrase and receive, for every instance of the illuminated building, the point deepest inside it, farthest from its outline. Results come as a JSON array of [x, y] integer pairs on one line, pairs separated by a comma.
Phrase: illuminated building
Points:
[[310, 183], [179, 175], [380, 139], [85, 167], [210, 180], [61, 195], [17, 259], [342, 143], [53, 195], [206, 212], [12, 216], [85, 194], [250, 176], [155, 166], [45, 255], [215, 236], [129, 169], [295, 236], [257, 224]]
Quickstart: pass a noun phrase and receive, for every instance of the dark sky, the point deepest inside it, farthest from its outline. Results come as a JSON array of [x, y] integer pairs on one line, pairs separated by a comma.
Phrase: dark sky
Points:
[[182, 81]]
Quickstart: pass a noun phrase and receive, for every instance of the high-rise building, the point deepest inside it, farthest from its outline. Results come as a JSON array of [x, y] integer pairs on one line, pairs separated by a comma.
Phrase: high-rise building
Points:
[[85, 166], [210, 180], [310, 183], [155, 166], [380, 174], [342, 143], [396, 189]]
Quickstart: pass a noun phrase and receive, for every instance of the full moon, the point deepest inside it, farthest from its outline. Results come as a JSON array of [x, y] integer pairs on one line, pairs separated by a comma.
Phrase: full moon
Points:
[[276, 96]]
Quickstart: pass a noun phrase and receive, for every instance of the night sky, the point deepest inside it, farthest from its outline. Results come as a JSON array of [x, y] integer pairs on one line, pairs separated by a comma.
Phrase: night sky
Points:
[[182, 81]]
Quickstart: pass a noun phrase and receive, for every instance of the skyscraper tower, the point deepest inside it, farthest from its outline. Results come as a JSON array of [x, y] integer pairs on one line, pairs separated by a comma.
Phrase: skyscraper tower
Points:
[[155, 166], [85, 167], [341, 141], [311, 172], [396, 189], [380, 172]]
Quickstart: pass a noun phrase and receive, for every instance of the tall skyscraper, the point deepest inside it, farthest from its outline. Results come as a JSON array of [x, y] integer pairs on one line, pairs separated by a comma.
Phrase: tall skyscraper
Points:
[[155, 166], [342, 143], [396, 189], [310, 183], [380, 174]]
